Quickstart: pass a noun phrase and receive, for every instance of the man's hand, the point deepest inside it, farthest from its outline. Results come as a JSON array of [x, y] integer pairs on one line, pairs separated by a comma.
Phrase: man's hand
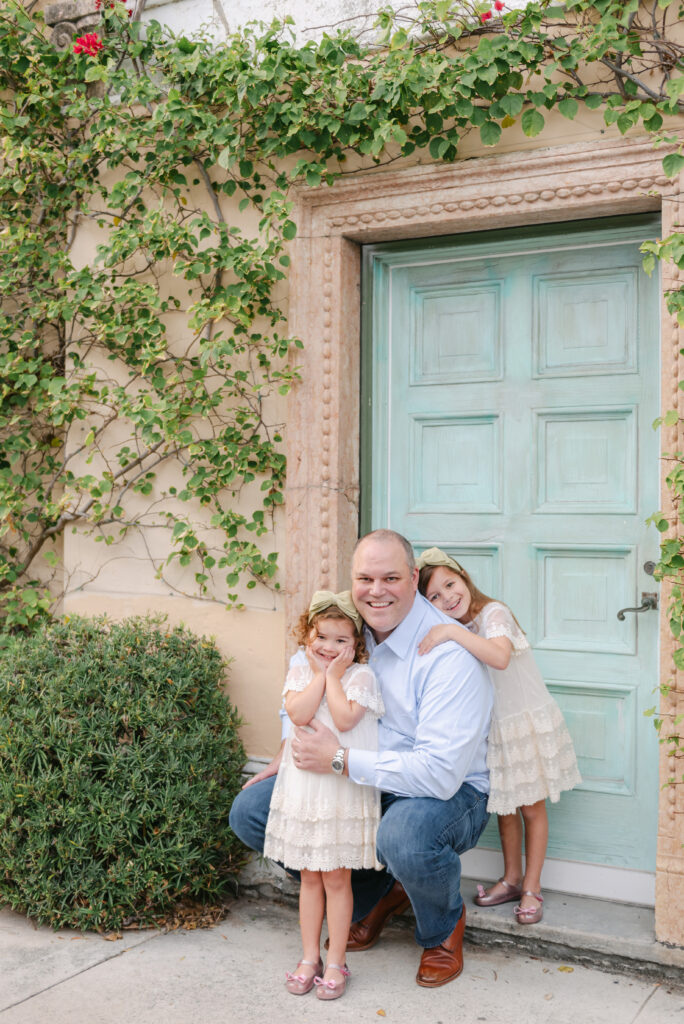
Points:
[[269, 770], [314, 747]]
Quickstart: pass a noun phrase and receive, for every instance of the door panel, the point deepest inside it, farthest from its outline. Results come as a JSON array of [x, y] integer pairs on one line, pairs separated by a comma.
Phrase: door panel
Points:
[[511, 380]]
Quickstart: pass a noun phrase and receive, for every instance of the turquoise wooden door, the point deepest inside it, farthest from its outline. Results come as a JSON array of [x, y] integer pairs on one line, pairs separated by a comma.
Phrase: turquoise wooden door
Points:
[[510, 385]]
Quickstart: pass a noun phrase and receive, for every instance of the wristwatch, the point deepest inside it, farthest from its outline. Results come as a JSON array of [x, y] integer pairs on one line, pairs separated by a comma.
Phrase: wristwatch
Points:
[[337, 763]]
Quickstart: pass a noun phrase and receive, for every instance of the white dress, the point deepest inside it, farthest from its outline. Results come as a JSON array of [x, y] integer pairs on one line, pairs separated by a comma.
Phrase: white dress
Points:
[[530, 754], [323, 821]]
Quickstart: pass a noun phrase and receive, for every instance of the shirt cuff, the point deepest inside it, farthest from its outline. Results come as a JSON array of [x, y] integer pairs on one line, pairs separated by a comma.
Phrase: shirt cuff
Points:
[[285, 727], [361, 766]]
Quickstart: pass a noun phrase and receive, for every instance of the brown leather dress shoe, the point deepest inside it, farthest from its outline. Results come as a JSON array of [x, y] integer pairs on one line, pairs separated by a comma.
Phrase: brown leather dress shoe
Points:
[[443, 963], [365, 933]]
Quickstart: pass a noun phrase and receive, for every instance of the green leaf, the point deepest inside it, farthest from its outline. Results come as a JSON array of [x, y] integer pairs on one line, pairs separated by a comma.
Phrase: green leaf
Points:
[[673, 164], [512, 104], [490, 133], [568, 107], [95, 73], [532, 122]]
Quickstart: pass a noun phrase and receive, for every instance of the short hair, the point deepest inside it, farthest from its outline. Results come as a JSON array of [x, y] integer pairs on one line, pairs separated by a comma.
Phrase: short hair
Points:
[[390, 535]]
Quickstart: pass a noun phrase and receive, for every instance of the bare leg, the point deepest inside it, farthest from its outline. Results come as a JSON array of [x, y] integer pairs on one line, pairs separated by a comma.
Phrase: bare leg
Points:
[[311, 909], [339, 903], [511, 832], [508, 887], [536, 838]]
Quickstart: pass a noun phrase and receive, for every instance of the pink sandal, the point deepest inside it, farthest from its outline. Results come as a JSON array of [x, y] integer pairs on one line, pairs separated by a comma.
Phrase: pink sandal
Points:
[[529, 915], [487, 898], [300, 984], [332, 989]]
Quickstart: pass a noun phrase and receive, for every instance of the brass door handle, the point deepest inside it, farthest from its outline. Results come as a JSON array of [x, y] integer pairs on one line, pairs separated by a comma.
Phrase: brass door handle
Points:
[[648, 602]]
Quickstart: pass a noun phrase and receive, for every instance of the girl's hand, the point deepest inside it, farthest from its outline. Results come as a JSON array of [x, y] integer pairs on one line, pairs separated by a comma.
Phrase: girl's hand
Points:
[[436, 635], [339, 665], [317, 665]]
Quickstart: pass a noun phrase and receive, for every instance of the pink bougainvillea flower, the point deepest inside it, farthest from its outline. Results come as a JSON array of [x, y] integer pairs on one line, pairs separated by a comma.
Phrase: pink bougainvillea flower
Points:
[[485, 17], [89, 44], [499, 5]]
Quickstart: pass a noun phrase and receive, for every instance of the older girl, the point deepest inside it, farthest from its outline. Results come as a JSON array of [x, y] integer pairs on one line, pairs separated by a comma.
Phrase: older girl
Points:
[[530, 755]]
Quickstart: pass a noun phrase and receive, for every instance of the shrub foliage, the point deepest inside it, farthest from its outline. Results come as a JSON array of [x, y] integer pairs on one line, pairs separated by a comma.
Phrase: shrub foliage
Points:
[[119, 760]]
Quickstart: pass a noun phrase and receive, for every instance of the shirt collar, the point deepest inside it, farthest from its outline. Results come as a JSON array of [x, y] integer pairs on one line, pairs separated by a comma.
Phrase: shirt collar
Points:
[[403, 638]]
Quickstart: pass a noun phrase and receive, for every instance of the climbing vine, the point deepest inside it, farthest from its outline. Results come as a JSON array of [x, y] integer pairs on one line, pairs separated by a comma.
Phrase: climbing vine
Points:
[[146, 196]]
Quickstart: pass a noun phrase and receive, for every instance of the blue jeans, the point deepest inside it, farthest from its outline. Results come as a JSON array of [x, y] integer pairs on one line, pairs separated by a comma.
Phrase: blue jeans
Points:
[[420, 840]]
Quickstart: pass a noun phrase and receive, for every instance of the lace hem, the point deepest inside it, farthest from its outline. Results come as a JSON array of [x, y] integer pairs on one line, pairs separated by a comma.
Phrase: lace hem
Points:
[[319, 845], [530, 757]]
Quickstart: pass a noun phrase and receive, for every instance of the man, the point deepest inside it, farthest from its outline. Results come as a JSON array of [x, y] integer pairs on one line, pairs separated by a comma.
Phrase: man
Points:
[[430, 764]]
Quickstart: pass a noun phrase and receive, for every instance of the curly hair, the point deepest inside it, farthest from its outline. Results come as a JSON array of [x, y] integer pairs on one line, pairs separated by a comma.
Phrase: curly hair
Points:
[[304, 628]]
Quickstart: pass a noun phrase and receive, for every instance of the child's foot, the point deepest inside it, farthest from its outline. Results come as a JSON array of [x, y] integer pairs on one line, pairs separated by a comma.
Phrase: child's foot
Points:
[[501, 892], [333, 983], [301, 980], [530, 909]]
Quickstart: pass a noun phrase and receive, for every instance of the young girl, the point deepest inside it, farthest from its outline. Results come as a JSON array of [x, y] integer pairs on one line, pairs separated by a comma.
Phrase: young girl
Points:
[[530, 755], [325, 825]]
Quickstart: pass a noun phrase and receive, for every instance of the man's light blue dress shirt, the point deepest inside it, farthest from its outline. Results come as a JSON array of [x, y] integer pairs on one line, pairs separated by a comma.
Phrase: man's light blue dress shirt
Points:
[[433, 735]]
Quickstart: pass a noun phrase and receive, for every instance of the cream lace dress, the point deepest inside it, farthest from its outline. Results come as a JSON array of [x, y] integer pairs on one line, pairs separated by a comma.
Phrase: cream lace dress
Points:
[[530, 754], [322, 821]]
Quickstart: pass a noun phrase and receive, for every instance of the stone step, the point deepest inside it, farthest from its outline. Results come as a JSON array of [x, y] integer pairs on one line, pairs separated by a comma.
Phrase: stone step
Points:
[[575, 929]]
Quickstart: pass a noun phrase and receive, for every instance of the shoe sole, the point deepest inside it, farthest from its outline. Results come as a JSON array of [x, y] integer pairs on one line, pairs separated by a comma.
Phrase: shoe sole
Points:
[[438, 984]]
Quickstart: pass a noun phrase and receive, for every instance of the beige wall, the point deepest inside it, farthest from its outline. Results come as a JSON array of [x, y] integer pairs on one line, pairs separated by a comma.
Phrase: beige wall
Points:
[[573, 170], [121, 580]]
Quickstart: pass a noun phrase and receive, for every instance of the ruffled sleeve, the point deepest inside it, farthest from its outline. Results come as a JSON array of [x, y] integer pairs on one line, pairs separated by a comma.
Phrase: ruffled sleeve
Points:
[[297, 678], [497, 620], [361, 685]]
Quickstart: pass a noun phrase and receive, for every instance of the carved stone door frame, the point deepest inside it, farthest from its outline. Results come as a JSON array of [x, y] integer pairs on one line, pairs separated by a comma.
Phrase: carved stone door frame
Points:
[[572, 182]]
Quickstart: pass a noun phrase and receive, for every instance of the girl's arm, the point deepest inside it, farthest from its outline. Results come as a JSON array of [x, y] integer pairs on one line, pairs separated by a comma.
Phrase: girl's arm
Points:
[[495, 652], [345, 713], [302, 705]]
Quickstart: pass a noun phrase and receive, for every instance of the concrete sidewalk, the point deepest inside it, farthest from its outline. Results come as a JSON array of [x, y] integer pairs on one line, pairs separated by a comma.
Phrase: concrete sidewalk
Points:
[[233, 974]]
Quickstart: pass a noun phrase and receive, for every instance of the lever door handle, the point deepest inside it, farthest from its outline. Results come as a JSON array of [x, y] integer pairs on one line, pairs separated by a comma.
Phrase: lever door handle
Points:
[[648, 602]]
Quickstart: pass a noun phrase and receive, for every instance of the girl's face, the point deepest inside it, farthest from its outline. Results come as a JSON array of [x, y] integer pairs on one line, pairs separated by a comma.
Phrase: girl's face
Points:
[[329, 637], [448, 592]]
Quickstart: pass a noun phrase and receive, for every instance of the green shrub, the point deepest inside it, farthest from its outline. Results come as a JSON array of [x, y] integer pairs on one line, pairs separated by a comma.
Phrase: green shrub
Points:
[[119, 760]]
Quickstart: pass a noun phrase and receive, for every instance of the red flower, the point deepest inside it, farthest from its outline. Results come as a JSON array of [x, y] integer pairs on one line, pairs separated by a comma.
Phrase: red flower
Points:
[[98, 4], [90, 44], [485, 17], [499, 4]]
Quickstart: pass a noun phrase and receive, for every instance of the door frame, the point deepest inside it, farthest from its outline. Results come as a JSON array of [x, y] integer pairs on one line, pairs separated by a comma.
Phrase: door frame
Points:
[[574, 182]]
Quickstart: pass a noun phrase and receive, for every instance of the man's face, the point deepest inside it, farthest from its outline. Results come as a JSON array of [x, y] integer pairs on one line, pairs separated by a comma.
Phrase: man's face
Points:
[[383, 588]]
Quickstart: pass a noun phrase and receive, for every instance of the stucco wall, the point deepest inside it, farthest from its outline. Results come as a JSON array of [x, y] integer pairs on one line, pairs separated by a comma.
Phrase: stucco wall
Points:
[[121, 580]]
